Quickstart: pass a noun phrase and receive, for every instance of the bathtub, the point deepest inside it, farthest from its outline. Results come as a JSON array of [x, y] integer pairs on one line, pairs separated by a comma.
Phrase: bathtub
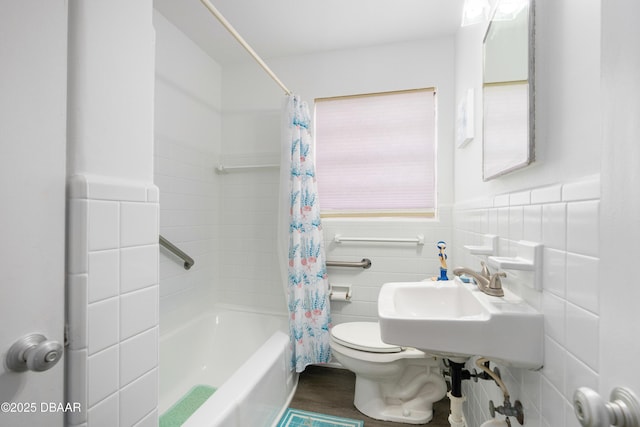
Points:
[[243, 354]]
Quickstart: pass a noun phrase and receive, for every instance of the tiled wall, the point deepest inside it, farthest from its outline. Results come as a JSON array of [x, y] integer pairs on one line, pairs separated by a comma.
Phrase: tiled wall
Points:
[[390, 262], [186, 142], [112, 302], [189, 219], [565, 218], [249, 266]]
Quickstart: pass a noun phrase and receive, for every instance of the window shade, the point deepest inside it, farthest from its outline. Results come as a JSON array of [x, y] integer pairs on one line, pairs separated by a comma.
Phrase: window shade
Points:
[[376, 153]]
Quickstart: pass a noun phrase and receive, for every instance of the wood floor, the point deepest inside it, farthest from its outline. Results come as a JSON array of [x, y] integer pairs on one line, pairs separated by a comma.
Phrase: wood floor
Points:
[[330, 391]]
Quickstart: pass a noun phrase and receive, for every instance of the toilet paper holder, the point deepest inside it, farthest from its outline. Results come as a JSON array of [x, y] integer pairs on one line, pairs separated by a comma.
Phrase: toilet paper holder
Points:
[[340, 292]]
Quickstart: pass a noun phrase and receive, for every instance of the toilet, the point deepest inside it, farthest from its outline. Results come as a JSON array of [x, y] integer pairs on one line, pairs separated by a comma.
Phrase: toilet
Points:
[[393, 383]]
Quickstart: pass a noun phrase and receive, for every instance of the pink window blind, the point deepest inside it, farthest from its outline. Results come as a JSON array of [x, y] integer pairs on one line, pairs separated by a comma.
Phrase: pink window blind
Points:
[[376, 153]]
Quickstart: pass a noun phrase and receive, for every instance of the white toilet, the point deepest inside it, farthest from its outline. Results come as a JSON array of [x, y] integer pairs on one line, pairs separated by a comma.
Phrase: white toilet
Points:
[[392, 383]]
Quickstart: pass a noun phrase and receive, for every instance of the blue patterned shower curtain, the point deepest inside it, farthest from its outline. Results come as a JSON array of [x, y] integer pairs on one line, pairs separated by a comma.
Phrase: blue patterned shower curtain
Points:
[[300, 242]]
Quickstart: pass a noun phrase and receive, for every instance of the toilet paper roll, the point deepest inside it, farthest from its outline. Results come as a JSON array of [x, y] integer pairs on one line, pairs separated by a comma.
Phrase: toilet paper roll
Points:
[[340, 296], [494, 423]]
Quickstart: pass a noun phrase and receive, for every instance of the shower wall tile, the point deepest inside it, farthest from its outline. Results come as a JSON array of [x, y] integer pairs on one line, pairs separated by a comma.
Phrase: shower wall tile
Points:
[[565, 219], [189, 218], [112, 294]]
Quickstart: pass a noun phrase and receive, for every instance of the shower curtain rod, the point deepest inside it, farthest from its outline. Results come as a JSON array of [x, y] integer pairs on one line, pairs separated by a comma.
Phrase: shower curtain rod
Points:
[[244, 44]]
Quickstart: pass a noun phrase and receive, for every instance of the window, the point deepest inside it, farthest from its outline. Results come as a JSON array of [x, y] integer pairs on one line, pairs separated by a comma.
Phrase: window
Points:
[[375, 154]]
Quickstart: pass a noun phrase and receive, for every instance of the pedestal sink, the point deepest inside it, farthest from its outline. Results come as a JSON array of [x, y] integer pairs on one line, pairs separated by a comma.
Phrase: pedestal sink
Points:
[[456, 320]]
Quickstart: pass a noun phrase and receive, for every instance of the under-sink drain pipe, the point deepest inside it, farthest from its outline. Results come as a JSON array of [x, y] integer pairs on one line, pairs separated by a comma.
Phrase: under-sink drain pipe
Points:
[[456, 399]]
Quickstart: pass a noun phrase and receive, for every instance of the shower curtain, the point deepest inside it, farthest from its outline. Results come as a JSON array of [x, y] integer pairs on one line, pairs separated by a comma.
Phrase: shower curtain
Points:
[[301, 248]]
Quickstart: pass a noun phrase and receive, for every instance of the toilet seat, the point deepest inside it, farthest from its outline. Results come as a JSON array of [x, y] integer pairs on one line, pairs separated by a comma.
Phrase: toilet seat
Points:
[[362, 336]]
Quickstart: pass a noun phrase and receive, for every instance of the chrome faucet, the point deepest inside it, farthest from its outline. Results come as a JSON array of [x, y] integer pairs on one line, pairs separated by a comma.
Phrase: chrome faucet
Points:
[[488, 283]]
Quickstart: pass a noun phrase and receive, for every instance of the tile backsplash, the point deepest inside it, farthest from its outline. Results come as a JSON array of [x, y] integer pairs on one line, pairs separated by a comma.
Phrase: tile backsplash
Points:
[[112, 302], [565, 219]]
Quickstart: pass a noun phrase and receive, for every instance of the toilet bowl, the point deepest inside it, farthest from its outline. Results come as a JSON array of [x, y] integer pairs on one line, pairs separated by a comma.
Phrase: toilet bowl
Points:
[[392, 383]]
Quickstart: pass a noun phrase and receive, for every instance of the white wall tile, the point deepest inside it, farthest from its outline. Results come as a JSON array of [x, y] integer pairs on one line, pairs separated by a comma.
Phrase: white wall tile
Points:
[[583, 335], [138, 311], [554, 226], [139, 224], [139, 399], [101, 378], [138, 355], [552, 405], [579, 375], [104, 274], [139, 267], [554, 311], [532, 223], [554, 363], [107, 189], [582, 281], [103, 220], [516, 223], [582, 237], [554, 271], [551, 194], [151, 420], [582, 190], [563, 220], [521, 198], [102, 321], [105, 412]]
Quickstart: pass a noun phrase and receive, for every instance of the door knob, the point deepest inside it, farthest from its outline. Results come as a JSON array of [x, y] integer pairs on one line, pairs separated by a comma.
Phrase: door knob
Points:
[[34, 352], [591, 410]]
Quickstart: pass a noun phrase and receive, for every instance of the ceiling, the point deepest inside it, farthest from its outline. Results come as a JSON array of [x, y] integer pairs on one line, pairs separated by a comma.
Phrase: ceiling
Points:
[[277, 28]]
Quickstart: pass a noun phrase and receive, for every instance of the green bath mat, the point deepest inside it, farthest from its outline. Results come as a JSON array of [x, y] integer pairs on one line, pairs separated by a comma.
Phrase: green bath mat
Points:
[[298, 418], [185, 407]]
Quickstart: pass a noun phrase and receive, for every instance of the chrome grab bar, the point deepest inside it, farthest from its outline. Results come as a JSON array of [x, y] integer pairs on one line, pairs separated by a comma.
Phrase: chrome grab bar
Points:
[[365, 263], [188, 261]]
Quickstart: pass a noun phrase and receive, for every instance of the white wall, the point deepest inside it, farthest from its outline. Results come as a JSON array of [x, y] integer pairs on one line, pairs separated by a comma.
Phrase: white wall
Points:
[[187, 130], [112, 249], [560, 202], [251, 134], [567, 86]]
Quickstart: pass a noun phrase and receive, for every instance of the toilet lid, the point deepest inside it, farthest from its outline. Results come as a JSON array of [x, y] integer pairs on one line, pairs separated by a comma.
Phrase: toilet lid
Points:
[[364, 336]]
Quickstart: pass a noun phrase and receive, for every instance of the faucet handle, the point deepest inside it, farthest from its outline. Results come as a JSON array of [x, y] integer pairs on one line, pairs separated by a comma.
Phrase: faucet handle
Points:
[[495, 282], [485, 272]]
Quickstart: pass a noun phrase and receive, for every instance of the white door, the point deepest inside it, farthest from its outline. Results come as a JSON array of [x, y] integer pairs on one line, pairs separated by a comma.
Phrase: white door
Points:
[[33, 57], [620, 209]]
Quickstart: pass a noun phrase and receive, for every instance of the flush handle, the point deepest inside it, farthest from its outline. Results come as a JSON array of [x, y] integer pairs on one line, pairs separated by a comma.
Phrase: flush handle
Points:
[[34, 352]]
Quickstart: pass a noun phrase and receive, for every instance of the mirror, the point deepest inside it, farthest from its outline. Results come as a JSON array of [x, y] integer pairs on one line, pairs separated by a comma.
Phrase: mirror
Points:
[[508, 88]]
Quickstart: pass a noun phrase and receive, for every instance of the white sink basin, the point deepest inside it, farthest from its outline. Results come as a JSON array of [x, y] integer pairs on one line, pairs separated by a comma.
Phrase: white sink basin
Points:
[[456, 320]]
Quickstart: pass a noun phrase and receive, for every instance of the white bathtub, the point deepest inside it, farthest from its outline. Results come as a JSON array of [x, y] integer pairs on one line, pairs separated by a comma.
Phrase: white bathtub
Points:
[[244, 354]]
